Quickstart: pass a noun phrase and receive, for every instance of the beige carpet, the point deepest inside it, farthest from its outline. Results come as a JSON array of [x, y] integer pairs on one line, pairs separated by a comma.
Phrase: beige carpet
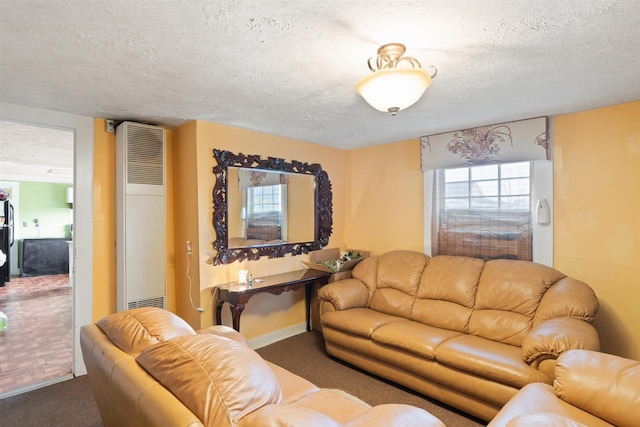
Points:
[[70, 403], [304, 355]]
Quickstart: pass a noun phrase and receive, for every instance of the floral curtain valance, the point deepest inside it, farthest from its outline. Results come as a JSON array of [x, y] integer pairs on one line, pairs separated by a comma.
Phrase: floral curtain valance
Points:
[[519, 141], [258, 178]]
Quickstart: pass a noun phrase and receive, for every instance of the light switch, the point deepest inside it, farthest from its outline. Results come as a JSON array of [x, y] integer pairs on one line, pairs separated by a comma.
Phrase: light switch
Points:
[[24, 223]]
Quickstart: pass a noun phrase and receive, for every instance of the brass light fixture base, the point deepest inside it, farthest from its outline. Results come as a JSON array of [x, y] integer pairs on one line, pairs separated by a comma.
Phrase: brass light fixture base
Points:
[[393, 51], [389, 56]]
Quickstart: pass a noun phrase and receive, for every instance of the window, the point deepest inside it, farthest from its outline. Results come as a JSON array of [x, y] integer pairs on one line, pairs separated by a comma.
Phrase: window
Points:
[[483, 211], [265, 213]]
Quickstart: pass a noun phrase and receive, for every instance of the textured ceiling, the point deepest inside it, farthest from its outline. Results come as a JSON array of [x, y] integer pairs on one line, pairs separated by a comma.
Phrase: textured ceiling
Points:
[[35, 153], [289, 67]]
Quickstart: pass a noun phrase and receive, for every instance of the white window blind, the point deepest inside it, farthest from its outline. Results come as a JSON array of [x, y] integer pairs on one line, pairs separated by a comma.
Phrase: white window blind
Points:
[[264, 206], [483, 211]]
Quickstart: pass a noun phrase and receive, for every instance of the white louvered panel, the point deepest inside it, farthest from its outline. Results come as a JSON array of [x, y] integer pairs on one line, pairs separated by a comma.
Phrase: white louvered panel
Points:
[[148, 302], [145, 155], [140, 216]]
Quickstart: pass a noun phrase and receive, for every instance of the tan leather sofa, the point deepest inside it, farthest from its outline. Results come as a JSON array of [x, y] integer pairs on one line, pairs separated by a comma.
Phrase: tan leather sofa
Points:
[[590, 389], [147, 367], [465, 332]]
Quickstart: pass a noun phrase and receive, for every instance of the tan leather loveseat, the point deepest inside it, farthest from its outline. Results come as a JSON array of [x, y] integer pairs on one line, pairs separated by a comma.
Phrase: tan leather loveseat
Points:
[[466, 332], [590, 389], [147, 367]]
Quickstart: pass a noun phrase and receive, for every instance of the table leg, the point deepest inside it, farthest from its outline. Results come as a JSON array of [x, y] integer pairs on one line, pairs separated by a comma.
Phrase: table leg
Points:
[[236, 311], [307, 294], [219, 312]]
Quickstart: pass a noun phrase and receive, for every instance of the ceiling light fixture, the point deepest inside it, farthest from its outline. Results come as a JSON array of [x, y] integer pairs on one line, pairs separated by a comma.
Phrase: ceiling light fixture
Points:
[[60, 171], [397, 82]]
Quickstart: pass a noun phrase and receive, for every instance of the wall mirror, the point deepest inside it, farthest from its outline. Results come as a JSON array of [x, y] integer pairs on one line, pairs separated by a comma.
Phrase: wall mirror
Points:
[[268, 207]]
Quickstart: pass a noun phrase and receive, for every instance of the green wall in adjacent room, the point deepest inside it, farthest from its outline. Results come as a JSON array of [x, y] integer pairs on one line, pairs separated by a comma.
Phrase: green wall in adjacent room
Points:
[[48, 203]]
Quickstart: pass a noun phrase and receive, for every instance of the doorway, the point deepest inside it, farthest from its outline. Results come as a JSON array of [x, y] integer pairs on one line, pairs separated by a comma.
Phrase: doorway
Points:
[[37, 180], [81, 249]]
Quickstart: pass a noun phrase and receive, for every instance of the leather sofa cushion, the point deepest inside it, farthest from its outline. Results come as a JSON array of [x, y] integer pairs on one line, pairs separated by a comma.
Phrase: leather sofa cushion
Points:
[[392, 301], [293, 387], [344, 406], [218, 379], [601, 384], [508, 295], [515, 286], [488, 359], [367, 272], [447, 292], [451, 278], [499, 325], [413, 337], [134, 330], [358, 321], [398, 278], [286, 415], [392, 414], [401, 270], [543, 419], [538, 397], [441, 314]]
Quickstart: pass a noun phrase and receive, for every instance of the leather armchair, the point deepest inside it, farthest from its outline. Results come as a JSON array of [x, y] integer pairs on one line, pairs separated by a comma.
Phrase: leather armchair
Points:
[[590, 389], [147, 367]]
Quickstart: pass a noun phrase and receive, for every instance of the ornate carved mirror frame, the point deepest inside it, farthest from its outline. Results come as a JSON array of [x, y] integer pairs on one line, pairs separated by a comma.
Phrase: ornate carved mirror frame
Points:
[[323, 221]]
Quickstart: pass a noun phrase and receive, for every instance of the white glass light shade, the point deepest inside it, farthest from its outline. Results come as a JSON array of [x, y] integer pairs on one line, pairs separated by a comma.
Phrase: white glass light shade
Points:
[[394, 89]]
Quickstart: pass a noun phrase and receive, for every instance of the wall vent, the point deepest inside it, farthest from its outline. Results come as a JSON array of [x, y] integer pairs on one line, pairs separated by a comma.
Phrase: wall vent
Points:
[[149, 302], [145, 156], [140, 216]]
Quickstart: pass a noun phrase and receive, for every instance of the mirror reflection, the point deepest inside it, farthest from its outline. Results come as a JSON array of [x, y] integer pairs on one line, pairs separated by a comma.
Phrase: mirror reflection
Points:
[[269, 207]]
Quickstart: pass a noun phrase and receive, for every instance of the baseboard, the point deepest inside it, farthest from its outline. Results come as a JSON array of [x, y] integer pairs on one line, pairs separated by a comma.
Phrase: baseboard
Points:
[[36, 386], [275, 336]]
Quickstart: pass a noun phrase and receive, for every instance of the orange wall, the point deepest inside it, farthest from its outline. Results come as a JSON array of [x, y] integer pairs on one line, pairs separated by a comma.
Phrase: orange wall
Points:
[[104, 256], [104, 227], [264, 313], [384, 207], [378, 206], [597, 210], [597, 215], [185, 189]]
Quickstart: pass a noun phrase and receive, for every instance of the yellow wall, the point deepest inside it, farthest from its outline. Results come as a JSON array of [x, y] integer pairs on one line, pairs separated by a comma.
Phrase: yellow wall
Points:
[[186, 221], [378, 206], [104, 256], [104, 226], [597, 215], [384, 207], [300, 208], [264, 313], [597, 210]]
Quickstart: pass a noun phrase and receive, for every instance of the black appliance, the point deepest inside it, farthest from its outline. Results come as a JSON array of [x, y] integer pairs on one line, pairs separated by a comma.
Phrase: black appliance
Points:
[[6, 236]]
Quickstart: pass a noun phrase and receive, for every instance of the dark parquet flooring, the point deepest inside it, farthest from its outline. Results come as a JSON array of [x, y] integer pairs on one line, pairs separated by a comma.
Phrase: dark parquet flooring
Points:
[[36, 347]]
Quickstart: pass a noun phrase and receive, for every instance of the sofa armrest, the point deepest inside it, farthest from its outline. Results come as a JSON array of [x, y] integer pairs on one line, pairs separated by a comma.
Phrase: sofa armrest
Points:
[[536, 419], [553, 337], [602, 384], [345, 294], [395, 415], [224, 331]]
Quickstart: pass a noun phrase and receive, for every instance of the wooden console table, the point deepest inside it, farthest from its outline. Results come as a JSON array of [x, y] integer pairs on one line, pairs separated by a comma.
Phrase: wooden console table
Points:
[[237, 295]]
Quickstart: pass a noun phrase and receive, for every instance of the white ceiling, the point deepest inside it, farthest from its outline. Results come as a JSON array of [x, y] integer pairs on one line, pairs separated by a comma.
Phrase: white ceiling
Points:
[[289, 67], [35, 153]]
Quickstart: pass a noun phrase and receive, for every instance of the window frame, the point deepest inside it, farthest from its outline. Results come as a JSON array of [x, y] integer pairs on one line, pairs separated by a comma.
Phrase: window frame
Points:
[[541, 188]]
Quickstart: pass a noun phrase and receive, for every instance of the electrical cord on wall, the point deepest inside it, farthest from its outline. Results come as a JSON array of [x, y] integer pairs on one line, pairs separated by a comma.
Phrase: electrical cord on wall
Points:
[[198, 309]]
